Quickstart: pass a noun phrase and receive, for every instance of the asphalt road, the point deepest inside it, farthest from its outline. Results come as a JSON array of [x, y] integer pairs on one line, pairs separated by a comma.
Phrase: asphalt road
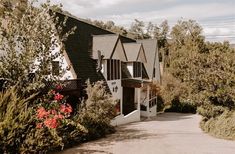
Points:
[[168, 133]]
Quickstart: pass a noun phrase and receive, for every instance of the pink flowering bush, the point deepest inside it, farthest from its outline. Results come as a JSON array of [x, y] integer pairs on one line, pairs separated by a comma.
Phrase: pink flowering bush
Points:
[[52, 110], [55, 126]]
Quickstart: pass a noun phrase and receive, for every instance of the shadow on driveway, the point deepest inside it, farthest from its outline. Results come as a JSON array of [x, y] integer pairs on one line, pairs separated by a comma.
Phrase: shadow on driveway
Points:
[[171, 117]]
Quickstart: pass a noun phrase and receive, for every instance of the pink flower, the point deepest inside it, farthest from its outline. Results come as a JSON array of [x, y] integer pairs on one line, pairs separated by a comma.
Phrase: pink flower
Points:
[[66, 108], [59, 116], [51, 123], [58, 97], [39, 125], [59, 87], [42, 113], [54, 112]]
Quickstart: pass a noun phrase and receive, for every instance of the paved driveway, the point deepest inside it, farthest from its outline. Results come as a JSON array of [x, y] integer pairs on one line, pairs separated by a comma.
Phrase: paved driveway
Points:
[[168, 133]]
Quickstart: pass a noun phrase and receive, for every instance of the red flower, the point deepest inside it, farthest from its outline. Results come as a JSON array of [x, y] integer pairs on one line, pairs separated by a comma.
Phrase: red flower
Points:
[[52, 92], [39, 125], [54, 112], [42, 113], [59, 87], [58, 97], [66, 108], [51, 123], [59, 116]]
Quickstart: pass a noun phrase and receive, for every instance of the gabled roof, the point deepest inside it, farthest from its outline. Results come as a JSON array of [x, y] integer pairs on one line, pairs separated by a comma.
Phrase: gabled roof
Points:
[[79, 47], [151, 52], [135, 52], [107, 44]]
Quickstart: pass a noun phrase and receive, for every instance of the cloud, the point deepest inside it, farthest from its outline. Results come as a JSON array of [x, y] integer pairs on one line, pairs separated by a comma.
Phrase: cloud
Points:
[[212, 15]]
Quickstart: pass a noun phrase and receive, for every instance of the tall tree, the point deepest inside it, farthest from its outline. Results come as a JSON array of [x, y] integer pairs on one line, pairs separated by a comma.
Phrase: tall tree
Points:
[[29, 42], [137, 29]]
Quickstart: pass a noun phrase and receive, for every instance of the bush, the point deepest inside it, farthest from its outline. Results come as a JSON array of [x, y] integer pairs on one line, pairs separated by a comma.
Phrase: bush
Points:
[[46, 139], [222, 126], [46, 124], [97, 111], [210, 111], [20, 131], [174, 93], [16, 120], [160, 104], [182, 107]]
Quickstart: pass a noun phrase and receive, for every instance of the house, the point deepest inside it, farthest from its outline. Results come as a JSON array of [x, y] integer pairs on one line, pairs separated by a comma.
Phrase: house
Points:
[[148, 105], [127, 66]]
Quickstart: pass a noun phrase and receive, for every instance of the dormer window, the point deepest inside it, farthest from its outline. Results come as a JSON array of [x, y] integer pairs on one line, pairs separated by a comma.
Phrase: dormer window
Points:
[[113, 69], [137, 69]]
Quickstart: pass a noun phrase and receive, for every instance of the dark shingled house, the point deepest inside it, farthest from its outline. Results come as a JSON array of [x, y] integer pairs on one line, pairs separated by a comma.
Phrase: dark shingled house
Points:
[[79, 47], [97, 54]]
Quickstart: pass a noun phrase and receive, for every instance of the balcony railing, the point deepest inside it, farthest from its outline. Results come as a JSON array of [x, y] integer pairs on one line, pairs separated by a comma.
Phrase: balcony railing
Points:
[[151, 102], [70, 87]]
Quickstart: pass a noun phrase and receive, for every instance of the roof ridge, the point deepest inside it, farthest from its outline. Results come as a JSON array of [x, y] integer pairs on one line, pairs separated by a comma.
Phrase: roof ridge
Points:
[[103, 35], [84, 21]]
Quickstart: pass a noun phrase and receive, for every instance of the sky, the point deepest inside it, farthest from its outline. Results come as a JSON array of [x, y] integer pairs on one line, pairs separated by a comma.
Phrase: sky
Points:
[[217, 17]]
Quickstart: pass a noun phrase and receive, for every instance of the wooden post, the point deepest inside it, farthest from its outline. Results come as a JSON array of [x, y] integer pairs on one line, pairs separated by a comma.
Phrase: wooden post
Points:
[[148, 92]]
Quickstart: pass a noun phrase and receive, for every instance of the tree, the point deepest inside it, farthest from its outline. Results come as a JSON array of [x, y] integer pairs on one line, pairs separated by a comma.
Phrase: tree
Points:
[[207, 68], [29, 42], [188, 34], [137, 29], [161, 34]]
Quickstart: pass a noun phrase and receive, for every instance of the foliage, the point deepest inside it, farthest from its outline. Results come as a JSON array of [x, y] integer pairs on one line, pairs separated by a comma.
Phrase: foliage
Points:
[[97, 111], [172, 89], [208, 71], [181, 107], [222, 126], [21, 132], [30, 43], [16, 120], [52, 110]]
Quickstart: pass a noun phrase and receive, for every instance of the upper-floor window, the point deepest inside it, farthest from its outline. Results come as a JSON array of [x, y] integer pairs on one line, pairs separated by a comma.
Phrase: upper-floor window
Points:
[[137, 69], [113, 69]]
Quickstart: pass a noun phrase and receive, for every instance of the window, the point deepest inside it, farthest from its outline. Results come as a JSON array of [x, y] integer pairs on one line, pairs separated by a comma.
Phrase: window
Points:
[[137, 69], [113, 69], [154, 72], [55, 67]]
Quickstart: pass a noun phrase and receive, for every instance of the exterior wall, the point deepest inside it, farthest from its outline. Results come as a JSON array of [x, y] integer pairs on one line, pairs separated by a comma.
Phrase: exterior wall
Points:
[[114, 85], [151, 113], [121, 119], [119, 52], [161, 68], [157, 67], [116, 90], [137, 97], [65, 64]]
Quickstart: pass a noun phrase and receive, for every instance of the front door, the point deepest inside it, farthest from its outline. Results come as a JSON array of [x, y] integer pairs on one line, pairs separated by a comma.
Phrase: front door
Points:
[[128, 100]]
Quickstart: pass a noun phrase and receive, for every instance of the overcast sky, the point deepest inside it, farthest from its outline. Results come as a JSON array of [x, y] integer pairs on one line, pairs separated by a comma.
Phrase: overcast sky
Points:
[[217, 17]]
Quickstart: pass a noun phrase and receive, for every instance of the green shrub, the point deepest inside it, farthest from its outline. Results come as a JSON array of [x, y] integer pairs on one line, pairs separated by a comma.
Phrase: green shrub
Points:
[[97, 111], [222, 126], [19, 131], [182, 107], [210, 111], [16, 120], [160, 104], [174, 93], [46, 139]]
